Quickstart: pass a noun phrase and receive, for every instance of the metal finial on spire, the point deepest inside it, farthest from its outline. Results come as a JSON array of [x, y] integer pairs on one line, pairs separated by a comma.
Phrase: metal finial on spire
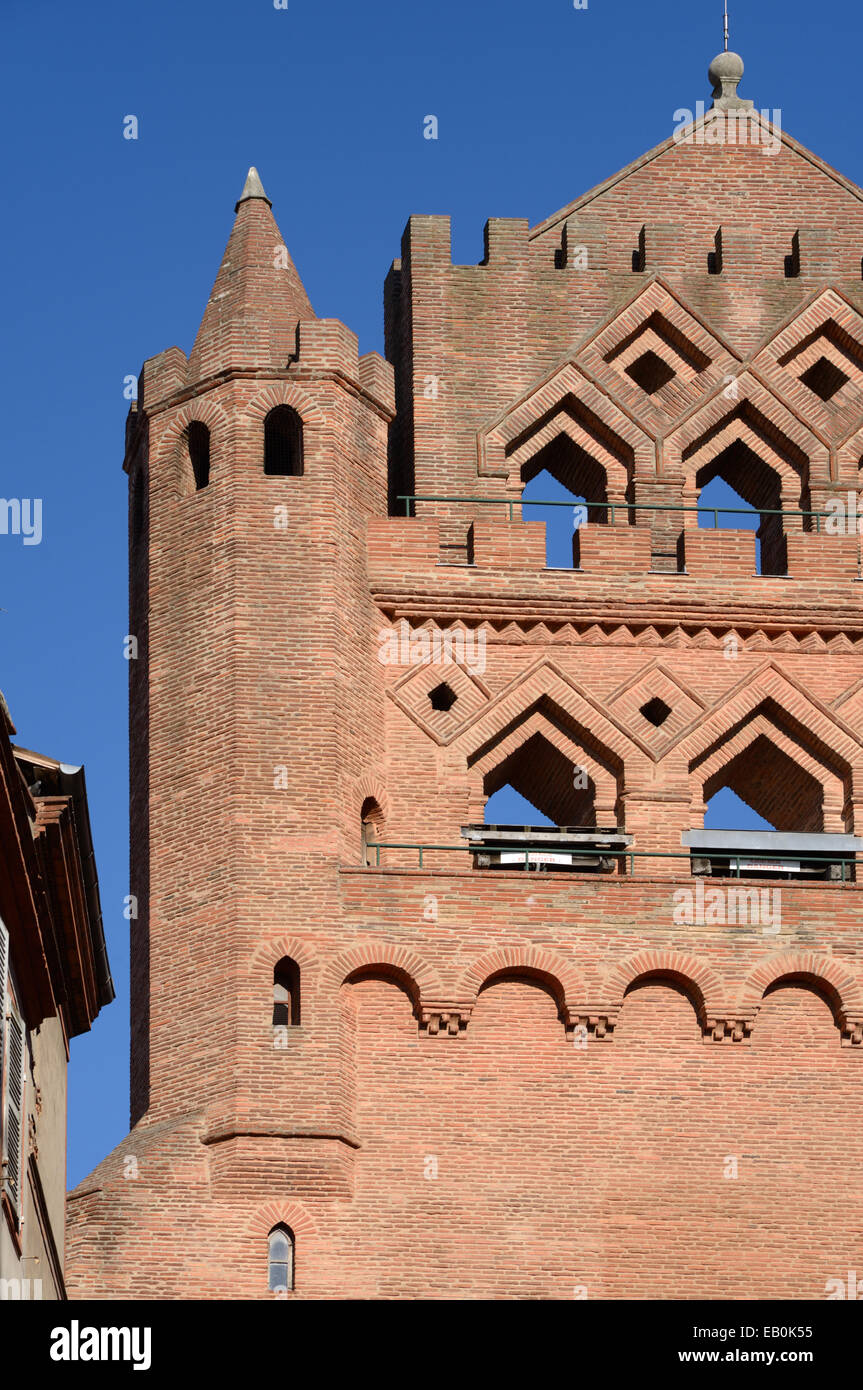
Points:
[[725, 26]]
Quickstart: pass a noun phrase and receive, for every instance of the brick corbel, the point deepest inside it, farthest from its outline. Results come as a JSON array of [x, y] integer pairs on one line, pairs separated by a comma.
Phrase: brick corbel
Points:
[[447, 1019], [733, 1026], [599, 1020]]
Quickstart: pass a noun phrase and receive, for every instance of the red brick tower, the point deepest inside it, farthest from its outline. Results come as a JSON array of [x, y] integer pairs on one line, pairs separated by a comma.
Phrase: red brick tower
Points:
[[368, 1066]]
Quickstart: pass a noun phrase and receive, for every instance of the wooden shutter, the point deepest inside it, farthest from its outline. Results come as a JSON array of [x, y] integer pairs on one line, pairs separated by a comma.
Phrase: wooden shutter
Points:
[[14, 1126], [4, 976]]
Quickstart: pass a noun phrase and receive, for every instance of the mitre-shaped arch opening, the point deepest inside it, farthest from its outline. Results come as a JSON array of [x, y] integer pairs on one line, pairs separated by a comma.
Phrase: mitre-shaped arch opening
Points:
[[726, 810], [775, 786], [738, 478], [578, 449], [575, 469], [562, 523], [722, 508], [747, 473], [506, 806], [561, 790], [557, 762]]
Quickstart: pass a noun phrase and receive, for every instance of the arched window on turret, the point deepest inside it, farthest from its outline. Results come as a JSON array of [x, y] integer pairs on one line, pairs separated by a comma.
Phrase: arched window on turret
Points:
[[371, 831], [281, 1259], [283, 443], [286, 994], [198, 446]]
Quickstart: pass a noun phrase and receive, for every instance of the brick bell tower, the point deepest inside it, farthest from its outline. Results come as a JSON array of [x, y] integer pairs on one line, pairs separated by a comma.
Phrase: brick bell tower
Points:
[[380, 1049]]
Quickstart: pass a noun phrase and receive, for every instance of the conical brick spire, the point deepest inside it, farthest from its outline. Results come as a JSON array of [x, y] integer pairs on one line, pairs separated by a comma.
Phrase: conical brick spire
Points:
[[258, 298]]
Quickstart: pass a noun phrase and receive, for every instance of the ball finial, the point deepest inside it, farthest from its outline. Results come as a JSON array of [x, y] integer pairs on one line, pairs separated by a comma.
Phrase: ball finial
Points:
[[725, 73]]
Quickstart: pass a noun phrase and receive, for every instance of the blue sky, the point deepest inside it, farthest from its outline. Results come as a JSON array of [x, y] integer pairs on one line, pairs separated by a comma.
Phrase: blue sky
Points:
[[111, 247]]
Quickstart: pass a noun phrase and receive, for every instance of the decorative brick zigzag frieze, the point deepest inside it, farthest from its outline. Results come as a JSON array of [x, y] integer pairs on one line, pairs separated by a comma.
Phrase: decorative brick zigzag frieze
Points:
[[561, 627]]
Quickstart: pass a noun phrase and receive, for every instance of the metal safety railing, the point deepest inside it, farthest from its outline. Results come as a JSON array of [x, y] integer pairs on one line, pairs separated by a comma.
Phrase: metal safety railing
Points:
[[614, 507], [750, 859]]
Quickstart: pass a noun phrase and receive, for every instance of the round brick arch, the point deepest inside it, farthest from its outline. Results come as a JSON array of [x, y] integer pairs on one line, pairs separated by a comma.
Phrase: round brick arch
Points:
[[273, 951], [285, 393], [261, 966], [368, 792], [289, 1214], [705, 988], [843, 988], [206, 412], [393, 962], [370, 789], [533, 962]]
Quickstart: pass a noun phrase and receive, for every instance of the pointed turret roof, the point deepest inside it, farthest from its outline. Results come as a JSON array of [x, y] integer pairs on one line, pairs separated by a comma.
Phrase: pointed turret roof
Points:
[[258, 298]]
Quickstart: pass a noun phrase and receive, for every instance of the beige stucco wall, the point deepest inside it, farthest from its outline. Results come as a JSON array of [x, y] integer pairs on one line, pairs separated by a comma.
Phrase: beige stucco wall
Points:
[[44, 1152]]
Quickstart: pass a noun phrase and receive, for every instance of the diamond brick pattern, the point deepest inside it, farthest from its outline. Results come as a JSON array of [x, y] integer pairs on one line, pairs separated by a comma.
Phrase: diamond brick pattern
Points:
[[413, 694], [654, 683], [816, 364], [656, 357]]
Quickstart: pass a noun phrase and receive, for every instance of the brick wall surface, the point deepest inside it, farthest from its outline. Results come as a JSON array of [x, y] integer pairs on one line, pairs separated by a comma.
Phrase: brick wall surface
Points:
[[502, 1085]]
